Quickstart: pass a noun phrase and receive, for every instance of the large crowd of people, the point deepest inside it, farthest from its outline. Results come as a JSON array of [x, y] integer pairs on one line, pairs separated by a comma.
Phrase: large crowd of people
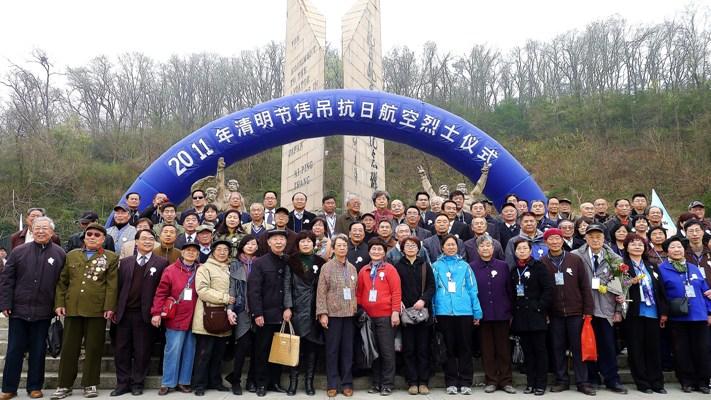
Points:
[[435, 282]]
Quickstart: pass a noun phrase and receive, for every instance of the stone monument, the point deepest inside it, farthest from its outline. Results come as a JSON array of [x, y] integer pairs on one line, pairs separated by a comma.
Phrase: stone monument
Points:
[[363, 156], [302, 164]]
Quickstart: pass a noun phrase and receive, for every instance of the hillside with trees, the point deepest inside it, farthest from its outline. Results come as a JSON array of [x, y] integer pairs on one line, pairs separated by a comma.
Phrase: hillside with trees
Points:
[[606, 110]]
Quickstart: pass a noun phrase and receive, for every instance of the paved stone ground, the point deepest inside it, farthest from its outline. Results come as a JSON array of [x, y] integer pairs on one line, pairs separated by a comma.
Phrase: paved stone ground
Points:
[[151, 394]]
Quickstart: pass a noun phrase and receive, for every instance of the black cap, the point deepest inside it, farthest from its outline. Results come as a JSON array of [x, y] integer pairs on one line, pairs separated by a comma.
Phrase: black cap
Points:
[[87, 217], [282, 210], [120, 207], [190, 244], [565, 200], [595, 227], [275, 232]]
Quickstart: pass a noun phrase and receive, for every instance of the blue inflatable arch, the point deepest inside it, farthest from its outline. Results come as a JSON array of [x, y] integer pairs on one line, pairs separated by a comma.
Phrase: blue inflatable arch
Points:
[[329, 112]]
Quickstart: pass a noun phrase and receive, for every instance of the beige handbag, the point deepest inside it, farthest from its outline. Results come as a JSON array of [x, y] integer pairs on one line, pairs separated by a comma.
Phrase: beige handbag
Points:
[[285, 347]]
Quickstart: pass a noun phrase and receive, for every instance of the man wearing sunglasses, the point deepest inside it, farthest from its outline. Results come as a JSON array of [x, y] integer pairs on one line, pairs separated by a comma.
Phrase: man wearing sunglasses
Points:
[[86, 296], [199, 203]]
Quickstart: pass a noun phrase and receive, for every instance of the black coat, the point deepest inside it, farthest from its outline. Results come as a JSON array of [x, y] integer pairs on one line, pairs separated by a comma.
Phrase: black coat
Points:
[[300, 285], [530, 310], [148, 287], [29, 279], [505, 233], [657, 287], [265, 288], [411, 281], [307, 221], [76, 241]]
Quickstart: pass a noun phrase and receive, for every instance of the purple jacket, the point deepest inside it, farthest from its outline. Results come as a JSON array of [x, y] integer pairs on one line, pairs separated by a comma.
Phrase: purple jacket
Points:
[[495, 290]]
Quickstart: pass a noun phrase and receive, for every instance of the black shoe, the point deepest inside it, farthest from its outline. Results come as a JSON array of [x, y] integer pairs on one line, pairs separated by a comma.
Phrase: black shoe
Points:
[[686, 389], [704, 389], [586, 390], [199, 392], [119, 392], [237, 389], [646, 391], [528, 390], [619, 389], [251, 387], [276, 388], [136, 391], [559, 387], [221, 388], [539, 392], [386, 392], [374, 389], [293, 383], [660, 391], [261, 391]]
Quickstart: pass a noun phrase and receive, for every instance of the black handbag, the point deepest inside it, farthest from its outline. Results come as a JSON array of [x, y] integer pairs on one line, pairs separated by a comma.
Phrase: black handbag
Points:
[[214, 319], [54, 338], [679, 307]]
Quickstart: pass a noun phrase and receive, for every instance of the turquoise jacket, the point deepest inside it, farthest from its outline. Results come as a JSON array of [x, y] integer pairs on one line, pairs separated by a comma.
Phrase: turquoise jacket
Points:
[[463, 301]]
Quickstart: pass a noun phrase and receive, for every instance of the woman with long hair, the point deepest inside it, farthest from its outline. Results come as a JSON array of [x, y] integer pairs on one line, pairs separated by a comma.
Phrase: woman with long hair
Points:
[[230, 229], [323, 247], [238, 313], [300, 285]]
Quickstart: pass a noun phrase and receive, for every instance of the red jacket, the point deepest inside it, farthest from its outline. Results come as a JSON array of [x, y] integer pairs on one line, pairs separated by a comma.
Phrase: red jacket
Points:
[[388, 287], [174, 279]]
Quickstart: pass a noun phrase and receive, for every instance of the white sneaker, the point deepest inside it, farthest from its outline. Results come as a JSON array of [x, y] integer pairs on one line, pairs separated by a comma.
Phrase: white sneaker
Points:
[[451, 390], [61, 393], [90, 392], [466, 390]]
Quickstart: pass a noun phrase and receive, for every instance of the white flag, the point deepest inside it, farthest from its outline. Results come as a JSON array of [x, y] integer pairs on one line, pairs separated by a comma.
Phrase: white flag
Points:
[[667, 221]]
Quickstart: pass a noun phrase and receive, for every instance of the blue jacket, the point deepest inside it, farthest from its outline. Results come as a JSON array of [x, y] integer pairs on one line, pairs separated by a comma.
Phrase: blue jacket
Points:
[[464, 300], [673, 283]]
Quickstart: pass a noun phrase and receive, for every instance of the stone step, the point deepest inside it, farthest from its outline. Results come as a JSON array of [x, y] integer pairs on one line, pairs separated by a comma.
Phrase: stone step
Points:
[[108, 381], [108, 348]]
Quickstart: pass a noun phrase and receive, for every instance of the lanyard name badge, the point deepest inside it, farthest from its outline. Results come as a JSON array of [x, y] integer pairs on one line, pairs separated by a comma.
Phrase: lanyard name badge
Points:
[[559, 277], [188, 292], [688, 287], [373, 293], [451, 285], [519, 286], [346, 290]]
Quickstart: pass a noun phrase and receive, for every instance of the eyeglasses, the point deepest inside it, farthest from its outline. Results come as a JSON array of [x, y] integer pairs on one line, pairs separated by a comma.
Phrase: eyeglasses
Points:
[[198, 197], [410, 246], [93, 234]]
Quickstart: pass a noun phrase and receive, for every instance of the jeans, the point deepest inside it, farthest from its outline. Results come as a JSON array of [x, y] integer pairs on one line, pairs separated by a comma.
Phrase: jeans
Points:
[[24, 336], [178, 358]]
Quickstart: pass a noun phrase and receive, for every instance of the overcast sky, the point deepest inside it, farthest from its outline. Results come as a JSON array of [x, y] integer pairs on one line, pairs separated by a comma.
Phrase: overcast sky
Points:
[[72, 32]]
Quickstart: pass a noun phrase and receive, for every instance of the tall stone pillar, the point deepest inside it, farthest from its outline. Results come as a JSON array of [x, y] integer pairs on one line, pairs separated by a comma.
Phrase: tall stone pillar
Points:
[[363, 156], [304, 69]]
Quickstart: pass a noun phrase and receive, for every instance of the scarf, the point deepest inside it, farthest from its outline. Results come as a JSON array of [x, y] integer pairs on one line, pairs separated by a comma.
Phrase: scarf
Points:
[[522, 263], [679, 266]]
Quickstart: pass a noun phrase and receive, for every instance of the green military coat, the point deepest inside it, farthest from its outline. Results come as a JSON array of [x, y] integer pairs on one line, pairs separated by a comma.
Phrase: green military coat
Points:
[[87, 288]]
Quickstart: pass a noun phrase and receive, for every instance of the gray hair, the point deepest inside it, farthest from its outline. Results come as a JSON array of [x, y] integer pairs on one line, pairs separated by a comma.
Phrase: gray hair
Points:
[[379, 193], [484, 238], [340, 236], [43, 219], [402, 225]]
